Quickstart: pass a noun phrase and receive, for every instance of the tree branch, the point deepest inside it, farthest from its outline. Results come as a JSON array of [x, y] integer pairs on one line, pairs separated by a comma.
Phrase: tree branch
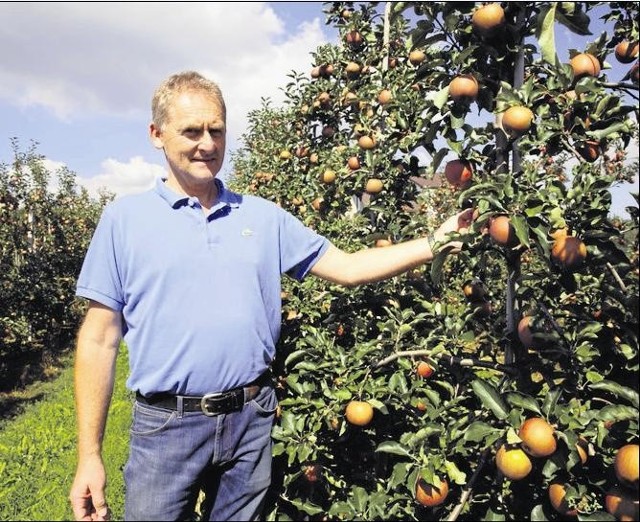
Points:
[[466, 493], [451, 360], [627, 87], [616, 276], [397, 355], [573, 150]]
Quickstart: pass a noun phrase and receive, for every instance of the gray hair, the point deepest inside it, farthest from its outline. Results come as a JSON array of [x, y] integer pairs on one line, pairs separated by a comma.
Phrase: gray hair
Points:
[[177, 84]]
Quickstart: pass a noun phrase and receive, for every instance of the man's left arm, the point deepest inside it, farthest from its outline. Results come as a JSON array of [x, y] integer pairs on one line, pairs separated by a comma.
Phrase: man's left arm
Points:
[[376, 264]]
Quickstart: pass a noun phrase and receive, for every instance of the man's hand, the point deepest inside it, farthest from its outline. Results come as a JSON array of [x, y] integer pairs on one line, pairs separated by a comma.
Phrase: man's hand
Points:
[[457, 223], [87, 493]]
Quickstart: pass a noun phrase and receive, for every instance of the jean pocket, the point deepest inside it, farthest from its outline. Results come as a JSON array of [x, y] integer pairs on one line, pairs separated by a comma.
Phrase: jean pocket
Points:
[[148, 420], [266, 402]]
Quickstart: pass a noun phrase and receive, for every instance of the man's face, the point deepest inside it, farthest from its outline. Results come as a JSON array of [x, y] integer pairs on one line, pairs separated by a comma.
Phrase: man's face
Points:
[[193, 138]]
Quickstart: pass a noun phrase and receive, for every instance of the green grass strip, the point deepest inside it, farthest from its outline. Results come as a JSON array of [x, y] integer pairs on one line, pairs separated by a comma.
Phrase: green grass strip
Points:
[[38, 451]]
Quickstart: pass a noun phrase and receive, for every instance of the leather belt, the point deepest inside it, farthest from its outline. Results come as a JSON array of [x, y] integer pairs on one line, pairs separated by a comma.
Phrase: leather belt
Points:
[[210, 404]]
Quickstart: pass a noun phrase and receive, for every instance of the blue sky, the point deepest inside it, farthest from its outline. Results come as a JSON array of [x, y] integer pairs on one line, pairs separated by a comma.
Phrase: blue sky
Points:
[[77, 77]]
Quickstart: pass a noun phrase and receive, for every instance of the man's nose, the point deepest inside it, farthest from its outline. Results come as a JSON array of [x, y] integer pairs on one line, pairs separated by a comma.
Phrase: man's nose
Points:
[[207, 142]]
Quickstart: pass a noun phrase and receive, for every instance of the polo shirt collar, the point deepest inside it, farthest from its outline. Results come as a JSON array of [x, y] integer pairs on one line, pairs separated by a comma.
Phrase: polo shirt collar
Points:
[[226, 198]]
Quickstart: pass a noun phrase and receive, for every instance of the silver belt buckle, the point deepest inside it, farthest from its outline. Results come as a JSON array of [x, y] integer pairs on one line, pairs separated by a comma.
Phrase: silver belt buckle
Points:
[[204, 404]]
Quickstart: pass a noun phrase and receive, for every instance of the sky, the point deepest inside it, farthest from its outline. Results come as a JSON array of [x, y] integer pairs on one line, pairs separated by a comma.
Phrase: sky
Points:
[[77, 77]]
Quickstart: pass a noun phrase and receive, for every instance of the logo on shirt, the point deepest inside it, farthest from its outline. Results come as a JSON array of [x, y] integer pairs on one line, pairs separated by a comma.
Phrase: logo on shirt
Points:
[[247, 232]]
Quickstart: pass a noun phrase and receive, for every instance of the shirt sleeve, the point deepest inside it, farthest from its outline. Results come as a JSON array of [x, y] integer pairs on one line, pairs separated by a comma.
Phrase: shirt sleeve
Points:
[[300, 246], [99, 278]]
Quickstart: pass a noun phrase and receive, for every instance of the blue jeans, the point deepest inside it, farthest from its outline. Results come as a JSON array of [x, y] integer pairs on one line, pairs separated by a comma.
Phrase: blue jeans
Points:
[[174, 456]]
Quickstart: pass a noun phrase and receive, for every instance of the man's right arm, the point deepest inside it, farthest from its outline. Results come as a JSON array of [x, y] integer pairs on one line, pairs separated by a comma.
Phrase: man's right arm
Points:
[[97, 347]]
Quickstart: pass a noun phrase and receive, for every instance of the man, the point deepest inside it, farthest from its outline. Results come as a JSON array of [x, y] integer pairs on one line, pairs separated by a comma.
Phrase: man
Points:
[[189, 275]]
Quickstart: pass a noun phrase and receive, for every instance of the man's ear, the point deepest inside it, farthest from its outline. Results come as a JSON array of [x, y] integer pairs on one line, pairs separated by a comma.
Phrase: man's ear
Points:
[[155, 134]]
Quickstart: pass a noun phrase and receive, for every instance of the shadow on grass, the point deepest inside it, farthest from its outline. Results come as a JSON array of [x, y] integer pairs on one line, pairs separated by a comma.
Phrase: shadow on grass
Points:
[[11, 406], [32, 387]]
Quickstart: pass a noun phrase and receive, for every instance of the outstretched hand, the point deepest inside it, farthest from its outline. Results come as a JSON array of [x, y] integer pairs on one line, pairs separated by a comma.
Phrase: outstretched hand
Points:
[[459, 222]]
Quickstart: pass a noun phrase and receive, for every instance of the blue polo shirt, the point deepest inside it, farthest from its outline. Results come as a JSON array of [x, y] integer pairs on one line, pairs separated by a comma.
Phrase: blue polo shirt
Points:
[[200, 294]]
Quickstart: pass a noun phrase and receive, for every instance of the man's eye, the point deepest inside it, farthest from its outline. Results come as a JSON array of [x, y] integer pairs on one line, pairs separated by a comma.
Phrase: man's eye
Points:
[[192, 132]]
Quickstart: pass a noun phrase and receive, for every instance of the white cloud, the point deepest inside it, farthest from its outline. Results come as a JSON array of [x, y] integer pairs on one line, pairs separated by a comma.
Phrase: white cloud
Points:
[[83, 59], [123, 178], [118, 178]]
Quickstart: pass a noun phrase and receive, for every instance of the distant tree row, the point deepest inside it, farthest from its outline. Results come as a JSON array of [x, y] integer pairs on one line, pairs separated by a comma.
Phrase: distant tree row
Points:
[[46, 223]]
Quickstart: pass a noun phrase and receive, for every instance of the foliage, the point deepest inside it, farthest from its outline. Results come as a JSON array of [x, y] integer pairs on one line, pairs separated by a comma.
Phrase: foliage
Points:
[[364, 343], [44, 233]]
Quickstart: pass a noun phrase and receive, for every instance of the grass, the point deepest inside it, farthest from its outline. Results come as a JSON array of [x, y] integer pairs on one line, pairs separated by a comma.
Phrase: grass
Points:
[[38, 450]]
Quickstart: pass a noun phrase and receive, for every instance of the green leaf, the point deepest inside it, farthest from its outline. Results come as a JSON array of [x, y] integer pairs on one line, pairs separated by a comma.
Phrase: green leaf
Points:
[[457, 122], [307, 366], [603, 133], [522, 230], [594, 376], [398, 383], [537, 514], [437, 159], [431, 134], [492, 516], [465, 53], [513, 437], [294, 356], [574, 19], [288, 422], [436, 268], [617, 413], [490, 398], [429, 430], [304, 452], [550, 401], [416, 38], [393, 447], [455, 146], [307, 507], [403, 330], [523, 401], [343, 510], [341, 394], [440, 98], [433, 396], [402, 122], [454, 473], [586, 352], [359, 498], [479, 431], [399, 474], [435, 37], [546, 34], [625, 349], [397, 8], [534, 211], [618, 390], [378, 405]]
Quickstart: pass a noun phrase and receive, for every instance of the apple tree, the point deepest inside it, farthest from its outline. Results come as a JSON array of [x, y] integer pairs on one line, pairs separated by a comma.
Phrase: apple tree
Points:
[[46, 223], [421, 109]]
